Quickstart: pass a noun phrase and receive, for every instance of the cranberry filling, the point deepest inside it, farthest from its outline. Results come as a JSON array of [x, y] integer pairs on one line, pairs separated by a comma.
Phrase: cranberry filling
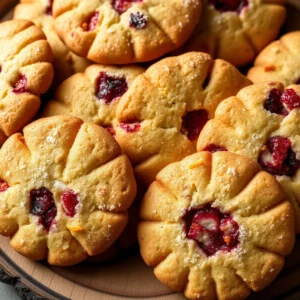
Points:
[[278, 158], [109, 87], [229, 5], [273, 103], [291, 99], [193, 122], [214, 148], [111, 130], [138, 20], [3, 186], [131, 127], [20, 86], [42, 205], [70, 202], [122, 5], [212, 230], [49, 8], [92, 22]]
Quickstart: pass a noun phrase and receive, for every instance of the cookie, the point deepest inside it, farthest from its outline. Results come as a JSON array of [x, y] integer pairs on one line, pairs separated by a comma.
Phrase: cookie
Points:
[[163, 111], [65, 62], [125, 31], [94, 95], [261, 122], [25, 73], [215, 226], [236, 30], [65, 190], [279, 61]]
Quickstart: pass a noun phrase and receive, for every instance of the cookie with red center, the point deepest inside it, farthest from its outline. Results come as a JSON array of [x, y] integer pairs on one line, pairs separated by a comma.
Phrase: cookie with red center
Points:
[[123, 31], [65, 62], [216, 226], [261, 123], [236, 30], [164, 110], [57, 202], [279, 61], [25, 73], [93, 95]]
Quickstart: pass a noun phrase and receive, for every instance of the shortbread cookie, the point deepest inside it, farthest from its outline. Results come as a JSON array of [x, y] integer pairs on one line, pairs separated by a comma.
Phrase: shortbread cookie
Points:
[[94, 95], [261, 122], [125, 31], [65, 62], [215, 226], [279, 61], [25, 73], [236, 30], [65, 190], [164, 110]]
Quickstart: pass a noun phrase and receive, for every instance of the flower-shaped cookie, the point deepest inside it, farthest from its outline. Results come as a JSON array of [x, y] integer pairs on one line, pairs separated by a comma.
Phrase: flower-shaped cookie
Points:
[[25, 73], [164, 110], [94, 95], [279, 61], [236, 30], [125, 31], [261, 122], [65, 190], [216, 226], [65, 62]]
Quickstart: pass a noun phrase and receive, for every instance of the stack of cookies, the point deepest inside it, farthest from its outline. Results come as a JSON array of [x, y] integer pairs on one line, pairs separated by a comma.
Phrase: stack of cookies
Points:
[[213, 154]]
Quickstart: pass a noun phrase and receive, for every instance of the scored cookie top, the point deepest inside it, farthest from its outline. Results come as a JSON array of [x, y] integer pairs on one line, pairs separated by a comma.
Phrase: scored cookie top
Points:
[[215, 226], [125, 31], [25, 73], [279, 61], [236, 30], [65, 190], [163, 111], [65, 62]]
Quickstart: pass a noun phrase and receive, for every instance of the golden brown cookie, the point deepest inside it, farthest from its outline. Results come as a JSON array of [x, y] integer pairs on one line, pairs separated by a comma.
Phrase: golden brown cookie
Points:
[[279, 61], [25, 73], [125, 31], [65, 62], [215, 226], [163, 111], [261, 122], [237, 30], [65, 190]]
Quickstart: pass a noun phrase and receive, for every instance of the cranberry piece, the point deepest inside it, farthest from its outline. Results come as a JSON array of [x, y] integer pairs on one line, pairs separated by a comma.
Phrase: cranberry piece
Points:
[[229, 5], [20, 86], [49, 216], [278, 158], [122, 5], [109, 87], [92, 22], [273, 103], [130, 127], [214, 148], [290, 98], [138, 20], [207, 219], [49, 8], [70, 202], [193, 122], [3, 186], [111, 130], [230, 231]]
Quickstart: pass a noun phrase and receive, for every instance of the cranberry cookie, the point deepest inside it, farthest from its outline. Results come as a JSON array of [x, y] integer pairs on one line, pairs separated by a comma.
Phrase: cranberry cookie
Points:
[[215, 226], [65, 62], [279, 61], [261, 122], [236, 30], [25, 73], [94, 95], [162, 113], [65, 190], [125, 31]]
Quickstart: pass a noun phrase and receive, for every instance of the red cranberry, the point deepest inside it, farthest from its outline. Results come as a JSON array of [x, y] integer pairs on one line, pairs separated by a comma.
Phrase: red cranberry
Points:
[[49, 8], [130, 127], [291, 99], [138, 20], [122, 5], [20, 86], [214, 148], [3, 186], [70, 202], [208, 219], [109, 87], [193, 122], [278, 158], [49, 217], [229, 5], [92, 22], [273, 103], [111, 130]]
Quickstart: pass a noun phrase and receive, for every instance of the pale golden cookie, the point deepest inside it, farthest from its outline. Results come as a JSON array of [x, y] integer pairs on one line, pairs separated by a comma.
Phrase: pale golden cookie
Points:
[[261, 122], [215, 226], [163, 111], [65, 190], [125, 31]]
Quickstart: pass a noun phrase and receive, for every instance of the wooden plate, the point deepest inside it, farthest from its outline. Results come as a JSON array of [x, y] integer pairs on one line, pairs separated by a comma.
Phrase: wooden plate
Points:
[[127, 278]]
